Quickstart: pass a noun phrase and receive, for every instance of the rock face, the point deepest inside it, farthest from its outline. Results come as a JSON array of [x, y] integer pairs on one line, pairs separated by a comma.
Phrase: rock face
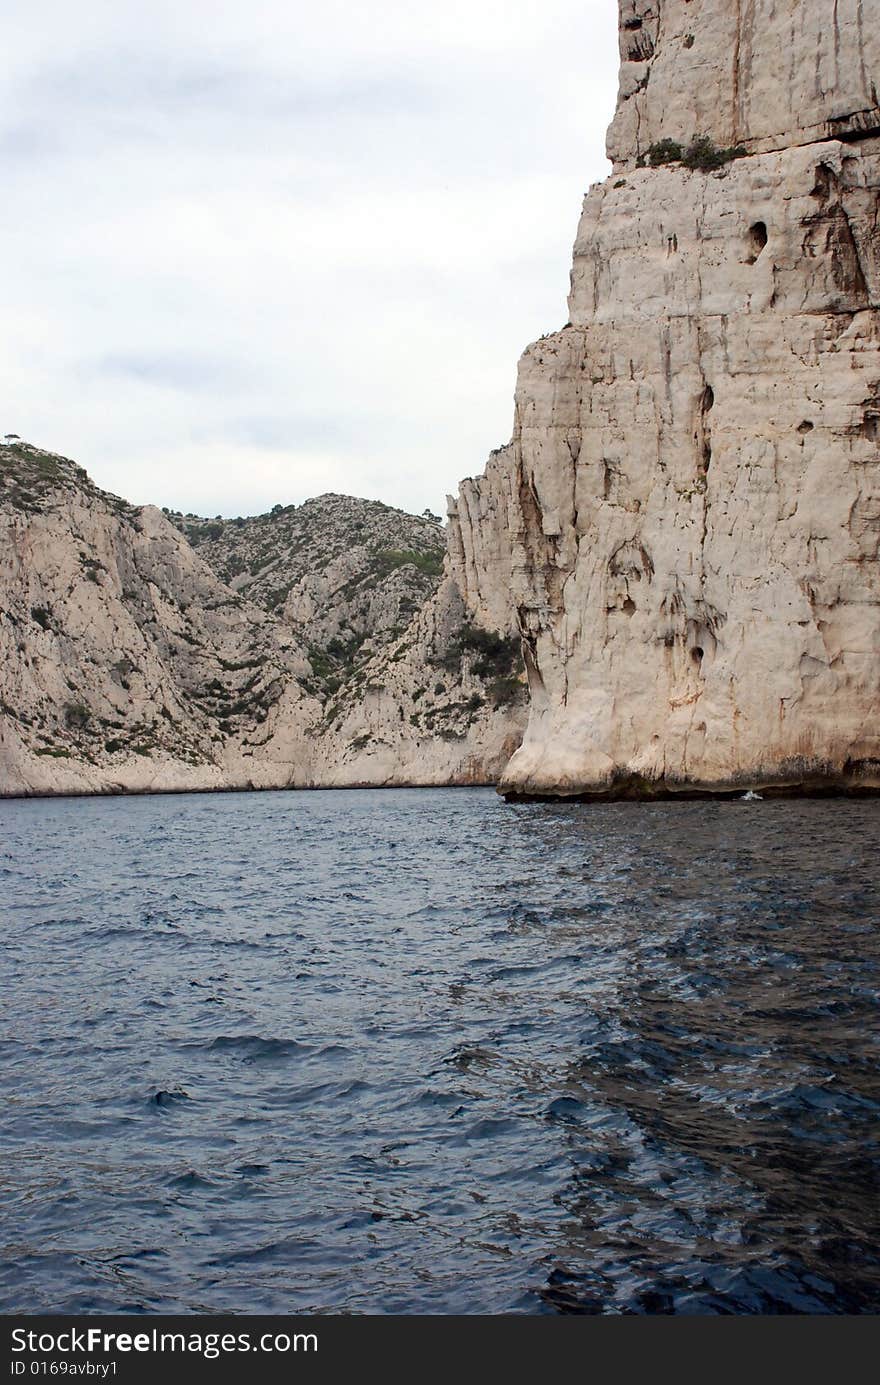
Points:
[[688, 514], [123, 658], [766, 73], [339, 651], [333, 569]]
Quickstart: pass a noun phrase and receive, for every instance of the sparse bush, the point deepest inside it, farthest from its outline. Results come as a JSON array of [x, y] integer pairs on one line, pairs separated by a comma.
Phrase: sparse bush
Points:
[[322, 666], [503, 691], [92, 567], [701, 154], [665, 151], [387, 559], [491, 653], [344, 651], [76, 716]]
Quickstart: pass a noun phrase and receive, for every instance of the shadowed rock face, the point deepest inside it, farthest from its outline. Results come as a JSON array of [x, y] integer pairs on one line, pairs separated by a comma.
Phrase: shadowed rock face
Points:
[[690, 503]]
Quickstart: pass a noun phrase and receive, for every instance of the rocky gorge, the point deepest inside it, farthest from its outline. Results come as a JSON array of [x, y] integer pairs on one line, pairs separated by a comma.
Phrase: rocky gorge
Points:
[[682, 536], [323, 644]]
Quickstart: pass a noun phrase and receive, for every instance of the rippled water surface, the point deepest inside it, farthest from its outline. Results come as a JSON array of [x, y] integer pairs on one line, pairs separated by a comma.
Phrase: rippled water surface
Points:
[[419, 1051]]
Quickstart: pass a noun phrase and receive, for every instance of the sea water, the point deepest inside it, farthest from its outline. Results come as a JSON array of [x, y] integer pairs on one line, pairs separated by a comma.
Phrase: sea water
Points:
[[420, 1051]]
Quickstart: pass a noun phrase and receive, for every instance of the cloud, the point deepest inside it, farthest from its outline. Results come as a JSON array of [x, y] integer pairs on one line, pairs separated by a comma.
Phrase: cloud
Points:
[[264, 250], [181, 370]]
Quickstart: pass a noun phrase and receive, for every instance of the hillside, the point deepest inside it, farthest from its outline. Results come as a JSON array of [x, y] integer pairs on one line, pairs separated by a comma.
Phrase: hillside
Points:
[[319, 644], [346, 576]]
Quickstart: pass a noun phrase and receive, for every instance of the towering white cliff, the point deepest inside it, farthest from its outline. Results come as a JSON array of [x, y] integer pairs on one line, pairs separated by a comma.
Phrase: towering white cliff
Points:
[[688, 514]]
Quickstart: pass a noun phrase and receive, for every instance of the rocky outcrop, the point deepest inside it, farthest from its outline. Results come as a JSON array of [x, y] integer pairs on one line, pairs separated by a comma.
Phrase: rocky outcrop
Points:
[[128, 663], [768, 74], [335, 567], [688, 514]]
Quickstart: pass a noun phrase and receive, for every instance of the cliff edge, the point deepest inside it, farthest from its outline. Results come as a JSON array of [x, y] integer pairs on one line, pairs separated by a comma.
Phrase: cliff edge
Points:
[[688, 513]]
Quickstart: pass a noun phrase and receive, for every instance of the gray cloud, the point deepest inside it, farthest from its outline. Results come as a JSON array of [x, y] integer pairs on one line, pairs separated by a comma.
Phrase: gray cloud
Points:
[[319, 431], [178, 370], [322, 234], [137, 86]]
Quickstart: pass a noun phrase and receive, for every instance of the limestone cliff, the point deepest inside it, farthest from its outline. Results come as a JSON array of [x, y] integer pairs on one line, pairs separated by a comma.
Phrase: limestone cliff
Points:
[[321, 645], [688, 513], [767, 73]]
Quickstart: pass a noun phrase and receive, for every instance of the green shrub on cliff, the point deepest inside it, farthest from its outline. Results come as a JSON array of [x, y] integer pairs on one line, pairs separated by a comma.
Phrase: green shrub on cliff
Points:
[[76, 716], [491, 654], [665, 151], [387, 559], [701, 154]]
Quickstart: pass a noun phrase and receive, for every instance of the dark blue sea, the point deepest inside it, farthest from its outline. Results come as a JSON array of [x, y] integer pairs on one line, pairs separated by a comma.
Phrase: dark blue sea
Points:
[[424, 1052]]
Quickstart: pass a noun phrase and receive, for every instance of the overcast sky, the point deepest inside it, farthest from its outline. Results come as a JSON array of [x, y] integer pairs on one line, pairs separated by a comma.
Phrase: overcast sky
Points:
[[256, 251]]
